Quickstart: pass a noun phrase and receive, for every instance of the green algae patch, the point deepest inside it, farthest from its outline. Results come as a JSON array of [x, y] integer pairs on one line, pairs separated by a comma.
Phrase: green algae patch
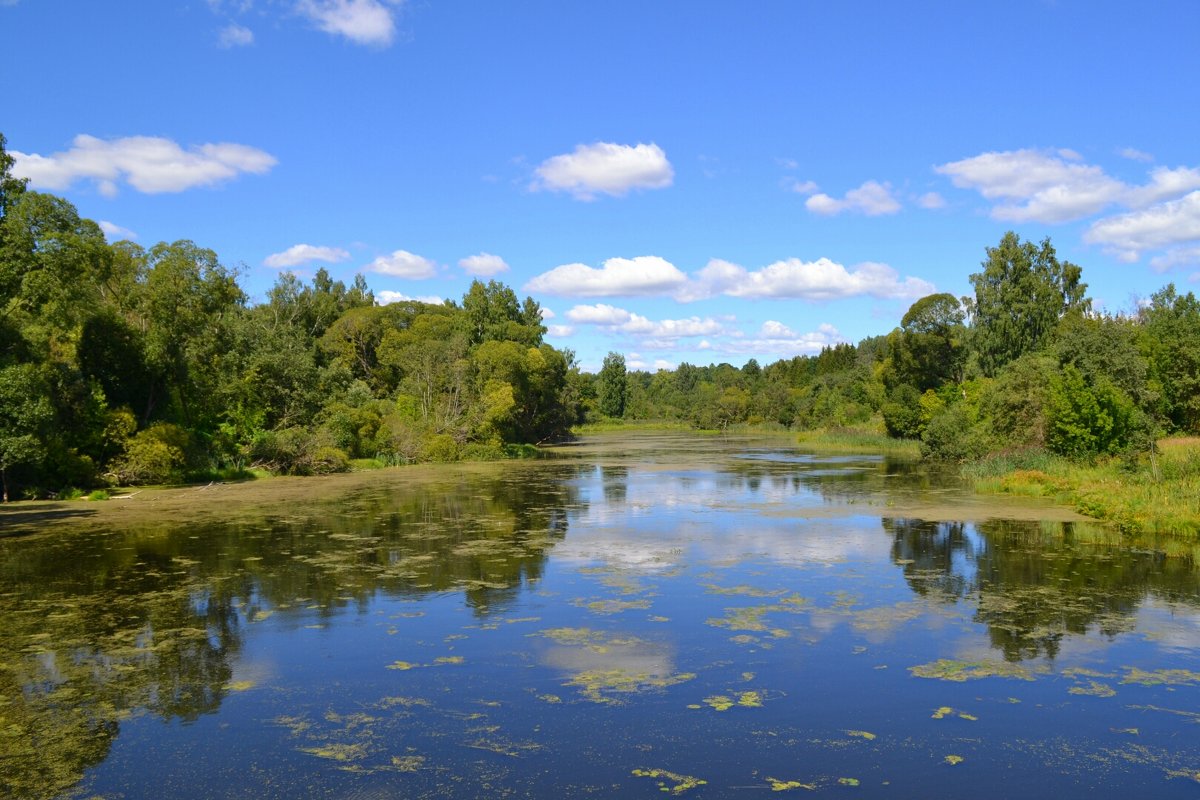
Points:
[[750, 699], [953, 760], [449, 660], [786, 786], [719, 702], [402, 665], [1162, 677], [337, 751], [848, 781], [598, 685], [407, 763], [553, 699], [862, 735], [1093, 689], [610, 606], [671, 782], [744, 591], [946, 669], [239, 686], [946, 711]]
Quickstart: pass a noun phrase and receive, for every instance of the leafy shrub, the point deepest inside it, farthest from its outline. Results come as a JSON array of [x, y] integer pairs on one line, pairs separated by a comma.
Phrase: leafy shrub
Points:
[[157, 454]]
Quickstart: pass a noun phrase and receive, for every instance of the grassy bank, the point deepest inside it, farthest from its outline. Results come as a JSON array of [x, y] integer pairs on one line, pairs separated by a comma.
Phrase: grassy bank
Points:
[[858, 440], [1147, 497]]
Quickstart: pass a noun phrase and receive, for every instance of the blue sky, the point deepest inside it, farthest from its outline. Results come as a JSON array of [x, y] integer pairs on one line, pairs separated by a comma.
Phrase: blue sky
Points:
[[675, 181]]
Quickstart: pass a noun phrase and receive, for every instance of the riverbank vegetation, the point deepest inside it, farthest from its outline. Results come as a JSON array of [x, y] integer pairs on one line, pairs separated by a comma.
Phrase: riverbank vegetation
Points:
[[128, 365]]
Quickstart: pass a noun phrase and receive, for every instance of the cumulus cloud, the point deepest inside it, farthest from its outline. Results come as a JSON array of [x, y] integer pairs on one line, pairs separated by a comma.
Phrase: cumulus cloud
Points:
[[115, 232], [304, 253], [800, 187], [792, 278], [149, 164], [605, 168], [1177, 257], [776, 338], [387, 297], [618, 277], [872, 199], [403, 264], [657, 334], [931, 201], [1134, 154], [1167, 224], [366, 22], [1056, 186], [234, 35], [560, 331], [483, 264]]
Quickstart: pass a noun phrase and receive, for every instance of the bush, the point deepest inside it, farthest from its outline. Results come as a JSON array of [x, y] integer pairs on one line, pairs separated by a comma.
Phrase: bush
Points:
[[156, 455], [951, 436], [299, 451], [1087, 419]]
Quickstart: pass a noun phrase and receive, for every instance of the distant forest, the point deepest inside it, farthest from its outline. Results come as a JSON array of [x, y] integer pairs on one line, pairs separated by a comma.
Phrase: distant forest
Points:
[[123, 365]]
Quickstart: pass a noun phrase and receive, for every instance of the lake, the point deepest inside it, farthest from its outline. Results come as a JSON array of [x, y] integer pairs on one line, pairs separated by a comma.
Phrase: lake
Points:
[[634, 615]]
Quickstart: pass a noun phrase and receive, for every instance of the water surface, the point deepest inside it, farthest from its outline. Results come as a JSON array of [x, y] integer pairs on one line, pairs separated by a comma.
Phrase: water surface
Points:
[[696, 615]]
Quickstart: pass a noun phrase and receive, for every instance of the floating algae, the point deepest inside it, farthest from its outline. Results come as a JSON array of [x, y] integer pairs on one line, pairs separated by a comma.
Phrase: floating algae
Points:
[[407, 763], [861, 734], [238, 686], [721, 702], [596, 685], [1093, 689], [1162, 677], [745, 591], [449, 660], [946, 669], [611, 606], [671, 782], [947, 711], [784, 786], [952, 760], [402, 665], [338, 751], [848, 781]]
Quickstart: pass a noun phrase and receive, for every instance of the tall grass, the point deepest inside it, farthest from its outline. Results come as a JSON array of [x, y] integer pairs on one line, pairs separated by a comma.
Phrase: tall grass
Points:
[[1139, 495], [857, 440]]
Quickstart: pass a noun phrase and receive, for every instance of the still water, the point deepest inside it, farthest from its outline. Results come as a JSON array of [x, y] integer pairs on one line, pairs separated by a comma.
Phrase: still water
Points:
[[696, 616]]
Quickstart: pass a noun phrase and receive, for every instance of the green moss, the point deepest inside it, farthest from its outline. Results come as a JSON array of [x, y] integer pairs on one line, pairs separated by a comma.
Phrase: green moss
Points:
[[1162, 677]]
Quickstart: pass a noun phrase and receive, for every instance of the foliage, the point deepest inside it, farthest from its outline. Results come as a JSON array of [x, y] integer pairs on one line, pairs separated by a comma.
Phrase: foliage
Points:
[[612, 386], [1020, 295]]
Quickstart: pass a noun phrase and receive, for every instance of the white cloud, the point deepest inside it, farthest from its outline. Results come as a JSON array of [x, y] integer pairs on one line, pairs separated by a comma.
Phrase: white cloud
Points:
[[403, 264], [660, 334], [931, 201], [1163, 225], [619, 277], [387, 297], [304, 253], [560, 331], [1165, 184], [808, 280], [149, 164], [234, 35], [872, 199], [1176, 257], [1134, 155], [366, 22], [605, 168], [546, 313], [800, 187], [775, 338], [115, 232], [483, 264]]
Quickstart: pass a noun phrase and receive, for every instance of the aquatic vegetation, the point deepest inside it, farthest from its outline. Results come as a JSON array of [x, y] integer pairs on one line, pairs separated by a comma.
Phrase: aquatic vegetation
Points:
[[549, 698], [408, 763], [947, 669], [953, 760], [1093, 689], [239, 686], [946, 711], [719, 702], [1161, 677], [449, 660], [785, 786], [747, 591], [611, 606], [402, 665], [671, 782], [848, 781], [337, 751], [861, 735], [597, 685]]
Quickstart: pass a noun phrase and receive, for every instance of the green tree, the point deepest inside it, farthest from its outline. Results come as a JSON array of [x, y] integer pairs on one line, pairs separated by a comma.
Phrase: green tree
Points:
[[612, 386], [928, 349], [1020, 296], [1171, 342], [25, 413]]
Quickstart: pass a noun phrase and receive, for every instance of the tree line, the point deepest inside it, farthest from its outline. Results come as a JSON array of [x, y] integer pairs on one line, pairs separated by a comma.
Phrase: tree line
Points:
[[1024, 363], [121, 364]]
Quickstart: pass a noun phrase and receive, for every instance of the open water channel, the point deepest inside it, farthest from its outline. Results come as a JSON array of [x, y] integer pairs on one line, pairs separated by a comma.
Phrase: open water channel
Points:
[[697, 616]]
